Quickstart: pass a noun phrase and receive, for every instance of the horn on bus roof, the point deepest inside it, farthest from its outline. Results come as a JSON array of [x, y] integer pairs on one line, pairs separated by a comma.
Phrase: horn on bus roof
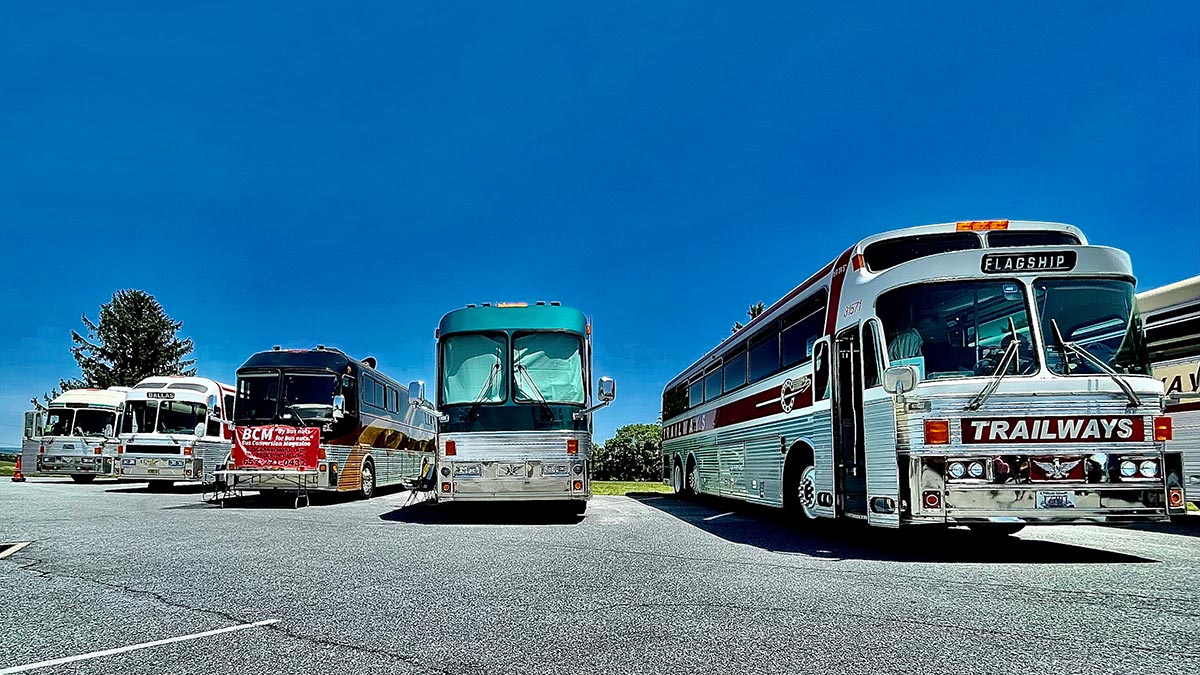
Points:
[[369, 361]]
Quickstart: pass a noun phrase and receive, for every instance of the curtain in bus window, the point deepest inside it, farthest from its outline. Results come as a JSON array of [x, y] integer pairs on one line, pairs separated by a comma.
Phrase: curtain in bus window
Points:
[[548, 366], [472, 369]]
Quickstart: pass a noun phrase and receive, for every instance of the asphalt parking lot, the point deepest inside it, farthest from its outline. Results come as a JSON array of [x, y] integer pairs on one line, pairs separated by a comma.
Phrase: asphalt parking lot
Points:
[[641, 584]]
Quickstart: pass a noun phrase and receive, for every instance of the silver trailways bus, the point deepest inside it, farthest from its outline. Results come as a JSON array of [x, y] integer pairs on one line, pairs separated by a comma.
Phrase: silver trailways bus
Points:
[[986, 373]]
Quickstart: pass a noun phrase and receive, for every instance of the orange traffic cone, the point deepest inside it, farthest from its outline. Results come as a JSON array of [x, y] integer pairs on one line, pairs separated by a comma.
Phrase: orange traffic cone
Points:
[[17, 476]]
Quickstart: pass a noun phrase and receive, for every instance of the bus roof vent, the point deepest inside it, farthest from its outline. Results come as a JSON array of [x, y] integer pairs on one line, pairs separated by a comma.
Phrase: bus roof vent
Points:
[[486, 304], [320, 347], [470, 305], [369, 362], [541, 303], [275, 348], [555, 303]]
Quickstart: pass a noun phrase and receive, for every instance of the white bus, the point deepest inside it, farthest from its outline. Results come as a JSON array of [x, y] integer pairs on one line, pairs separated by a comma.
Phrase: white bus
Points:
[[72, 436], [175, 428], [985, 373], [1172, 316]]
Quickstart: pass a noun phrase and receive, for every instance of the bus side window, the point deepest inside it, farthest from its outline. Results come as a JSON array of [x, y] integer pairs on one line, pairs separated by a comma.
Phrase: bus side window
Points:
[[821, 370], [870, 356], [696, 393], [229, 407]]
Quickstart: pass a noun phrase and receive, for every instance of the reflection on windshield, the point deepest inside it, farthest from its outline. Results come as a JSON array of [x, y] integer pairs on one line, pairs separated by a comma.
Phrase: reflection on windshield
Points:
[[93, 422], [1099, 315], [58, 422], [178, 417], [309, 395], [957, 329], [257, 398], [139, 417], [548, 367], [472, 369]]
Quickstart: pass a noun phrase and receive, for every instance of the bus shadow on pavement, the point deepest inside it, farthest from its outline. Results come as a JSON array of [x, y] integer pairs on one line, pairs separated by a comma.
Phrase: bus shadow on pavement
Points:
[[500, 513], [144, 489], [768, 529]]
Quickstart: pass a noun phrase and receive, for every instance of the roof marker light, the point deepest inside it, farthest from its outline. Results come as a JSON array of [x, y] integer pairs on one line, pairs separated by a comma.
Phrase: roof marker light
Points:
[[981, 225]]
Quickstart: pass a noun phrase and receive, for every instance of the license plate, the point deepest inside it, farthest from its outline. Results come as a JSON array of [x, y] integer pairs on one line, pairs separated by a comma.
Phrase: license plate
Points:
[[1055, 499], [151, 471]]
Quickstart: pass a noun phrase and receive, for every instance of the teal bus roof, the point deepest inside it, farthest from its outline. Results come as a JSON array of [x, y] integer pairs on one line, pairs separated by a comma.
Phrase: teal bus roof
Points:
[[536, 317]]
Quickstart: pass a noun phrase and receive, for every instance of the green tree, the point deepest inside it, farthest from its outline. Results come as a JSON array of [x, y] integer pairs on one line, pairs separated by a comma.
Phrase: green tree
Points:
[[133, 338], [753, 312], [633, 453]]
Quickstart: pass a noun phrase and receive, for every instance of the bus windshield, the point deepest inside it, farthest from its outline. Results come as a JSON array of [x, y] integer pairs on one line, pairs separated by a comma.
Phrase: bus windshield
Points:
[[93, 422], [473, 369], [58, 422], [140, 417], [548, 367], [179, 417], [1098, 315], [257, 398], [957, 329], [309, 396]]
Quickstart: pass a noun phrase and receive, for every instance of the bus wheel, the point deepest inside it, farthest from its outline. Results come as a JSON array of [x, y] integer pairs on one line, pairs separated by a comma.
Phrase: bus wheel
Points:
[[690, 486], [677, 478], [83, 478], [366, 485], [806, 493], [996, 529]]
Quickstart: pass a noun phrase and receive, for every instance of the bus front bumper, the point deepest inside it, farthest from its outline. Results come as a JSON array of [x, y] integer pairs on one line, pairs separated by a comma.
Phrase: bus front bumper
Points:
[[160, 468], [76, 465], [1051, 504]]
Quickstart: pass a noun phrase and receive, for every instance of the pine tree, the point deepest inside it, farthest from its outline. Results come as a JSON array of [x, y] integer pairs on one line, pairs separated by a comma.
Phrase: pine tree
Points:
[[133, 338]]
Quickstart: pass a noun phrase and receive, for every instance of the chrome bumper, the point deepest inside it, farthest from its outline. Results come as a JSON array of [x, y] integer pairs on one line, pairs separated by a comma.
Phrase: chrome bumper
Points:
[[76, 465]]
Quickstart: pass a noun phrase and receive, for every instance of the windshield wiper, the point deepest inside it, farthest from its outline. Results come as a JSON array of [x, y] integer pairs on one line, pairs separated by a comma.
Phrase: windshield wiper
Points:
[[487, 384], [1064, 346], [1011, 352], [295, 412], [540, 397]]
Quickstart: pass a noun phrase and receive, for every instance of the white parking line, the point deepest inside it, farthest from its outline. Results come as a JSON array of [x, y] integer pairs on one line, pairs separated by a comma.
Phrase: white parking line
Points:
[[130, 648], [719, 515], [12, 548]]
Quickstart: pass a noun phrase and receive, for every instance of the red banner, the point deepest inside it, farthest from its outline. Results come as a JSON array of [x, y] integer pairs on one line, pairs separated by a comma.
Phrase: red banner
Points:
[[1053, 430], [276, 447]]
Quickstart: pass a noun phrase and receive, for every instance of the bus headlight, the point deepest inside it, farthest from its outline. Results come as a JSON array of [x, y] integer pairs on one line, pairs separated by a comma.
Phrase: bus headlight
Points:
[[975, 469], [1128, 469], [957, 470], [578, 469], [1149, 468]]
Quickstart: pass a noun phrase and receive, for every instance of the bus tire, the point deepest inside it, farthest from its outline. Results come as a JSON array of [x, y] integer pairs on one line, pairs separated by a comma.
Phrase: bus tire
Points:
[[677, 482], [996, 529], [83, 478], [691, 485], [366, 480]]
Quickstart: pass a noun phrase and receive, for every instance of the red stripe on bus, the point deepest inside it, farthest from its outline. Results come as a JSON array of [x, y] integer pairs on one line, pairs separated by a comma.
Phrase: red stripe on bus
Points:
[[1182, 407], [763, 404]]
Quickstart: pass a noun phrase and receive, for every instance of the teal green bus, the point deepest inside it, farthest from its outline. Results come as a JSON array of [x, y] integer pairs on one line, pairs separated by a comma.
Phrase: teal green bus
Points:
[[514, 400]]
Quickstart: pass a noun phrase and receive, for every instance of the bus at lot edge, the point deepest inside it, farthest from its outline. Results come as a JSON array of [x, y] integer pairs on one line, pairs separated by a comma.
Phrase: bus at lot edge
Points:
[[514, 399], [1172, 316], [73, 435], [984, 373]]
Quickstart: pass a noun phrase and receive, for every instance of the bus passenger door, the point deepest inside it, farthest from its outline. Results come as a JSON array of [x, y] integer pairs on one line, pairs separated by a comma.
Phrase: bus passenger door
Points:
[[879, 433], [849, 452]]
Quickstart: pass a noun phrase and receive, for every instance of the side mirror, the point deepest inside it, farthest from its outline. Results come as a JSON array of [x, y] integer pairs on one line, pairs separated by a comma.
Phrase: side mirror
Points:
[[416, 392], [899, 379], [607, 390], [339, 402], [347, 383], [199, 429], [213, 403]]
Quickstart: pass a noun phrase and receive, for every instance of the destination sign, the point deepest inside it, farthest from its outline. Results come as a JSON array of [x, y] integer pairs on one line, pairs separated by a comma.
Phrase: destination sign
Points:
[[161, 394], [1007, 263]]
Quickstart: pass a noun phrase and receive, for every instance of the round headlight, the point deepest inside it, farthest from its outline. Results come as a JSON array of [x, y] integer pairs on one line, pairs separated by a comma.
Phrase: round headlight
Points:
[[1128, 469], [975, 469], [957, 470], [1149, 468], [445, 471], [578, 469]]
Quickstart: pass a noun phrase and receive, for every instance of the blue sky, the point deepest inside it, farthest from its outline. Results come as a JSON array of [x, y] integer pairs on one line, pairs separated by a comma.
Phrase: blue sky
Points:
[[306, 173]]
